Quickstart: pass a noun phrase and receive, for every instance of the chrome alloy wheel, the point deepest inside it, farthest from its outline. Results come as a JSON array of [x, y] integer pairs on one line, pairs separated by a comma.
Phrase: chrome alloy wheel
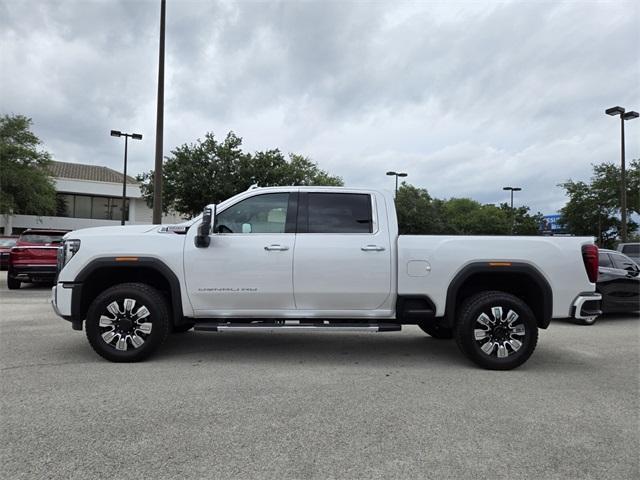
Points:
[[125, 327], [497, 335]]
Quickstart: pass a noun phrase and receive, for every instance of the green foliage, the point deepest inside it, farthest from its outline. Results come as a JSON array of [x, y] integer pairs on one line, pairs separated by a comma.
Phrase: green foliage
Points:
[[418, 213], [594, 207], [25, 184], [210, 171]]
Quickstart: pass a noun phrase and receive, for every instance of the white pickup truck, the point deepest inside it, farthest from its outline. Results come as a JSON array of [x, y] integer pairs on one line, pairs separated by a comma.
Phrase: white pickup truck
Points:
[[319, 259]]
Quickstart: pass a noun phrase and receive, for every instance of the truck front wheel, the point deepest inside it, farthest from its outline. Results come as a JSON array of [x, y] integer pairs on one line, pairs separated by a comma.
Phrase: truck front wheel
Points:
[[496, 330], [127, 322]]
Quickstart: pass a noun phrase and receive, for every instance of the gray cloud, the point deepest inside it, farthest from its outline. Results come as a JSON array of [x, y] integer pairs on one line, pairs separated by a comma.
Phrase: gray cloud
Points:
[[466, 97]]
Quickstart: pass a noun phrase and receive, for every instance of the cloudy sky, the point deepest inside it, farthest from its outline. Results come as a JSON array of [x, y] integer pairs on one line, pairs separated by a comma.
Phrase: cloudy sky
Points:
[[464, 96]]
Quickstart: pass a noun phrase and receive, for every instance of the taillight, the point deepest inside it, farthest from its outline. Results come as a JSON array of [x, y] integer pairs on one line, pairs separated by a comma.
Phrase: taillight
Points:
[[590, 259]]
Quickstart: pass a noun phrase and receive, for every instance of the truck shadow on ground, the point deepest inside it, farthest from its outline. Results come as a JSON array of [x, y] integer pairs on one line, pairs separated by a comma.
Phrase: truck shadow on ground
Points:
[[326, 348]]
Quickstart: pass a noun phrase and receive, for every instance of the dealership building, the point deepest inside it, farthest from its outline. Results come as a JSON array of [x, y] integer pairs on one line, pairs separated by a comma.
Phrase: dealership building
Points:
[[87, 196]]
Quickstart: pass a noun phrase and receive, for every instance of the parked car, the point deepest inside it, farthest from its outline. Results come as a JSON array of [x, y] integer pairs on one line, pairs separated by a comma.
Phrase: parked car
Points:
[[5, 247], [631, 250], [618, 282], [34, 257], [319, 259]]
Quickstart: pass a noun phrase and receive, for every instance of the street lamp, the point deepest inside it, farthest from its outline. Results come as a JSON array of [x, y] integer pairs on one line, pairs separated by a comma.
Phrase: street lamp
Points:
[[613, 111], [135, 136], [513, 189], [513, 214], [397, 174]]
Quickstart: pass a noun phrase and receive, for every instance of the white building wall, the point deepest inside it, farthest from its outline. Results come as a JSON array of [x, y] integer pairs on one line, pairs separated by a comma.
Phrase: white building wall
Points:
[[139, 212]]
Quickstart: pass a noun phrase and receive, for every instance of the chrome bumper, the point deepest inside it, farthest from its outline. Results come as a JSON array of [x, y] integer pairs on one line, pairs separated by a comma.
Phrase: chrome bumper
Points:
[[587, 306]]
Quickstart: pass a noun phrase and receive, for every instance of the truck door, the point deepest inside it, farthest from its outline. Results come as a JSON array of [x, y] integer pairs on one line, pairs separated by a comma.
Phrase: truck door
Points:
[[247, 268], [342, 258]]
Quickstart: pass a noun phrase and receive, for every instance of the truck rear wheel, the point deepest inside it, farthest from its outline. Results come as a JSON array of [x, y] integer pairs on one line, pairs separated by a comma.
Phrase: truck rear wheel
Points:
[[127, 322], [496, 330]]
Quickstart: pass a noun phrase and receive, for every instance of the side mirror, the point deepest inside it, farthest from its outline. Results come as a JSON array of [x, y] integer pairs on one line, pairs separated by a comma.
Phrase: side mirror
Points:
[[202, 239]]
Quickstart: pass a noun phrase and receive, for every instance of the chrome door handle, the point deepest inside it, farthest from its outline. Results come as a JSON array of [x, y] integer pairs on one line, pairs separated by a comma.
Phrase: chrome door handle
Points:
[[281, 248], [372, 248]]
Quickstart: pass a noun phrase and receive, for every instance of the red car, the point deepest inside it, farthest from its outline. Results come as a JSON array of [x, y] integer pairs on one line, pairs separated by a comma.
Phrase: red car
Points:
[[5, 247], [33, 259]]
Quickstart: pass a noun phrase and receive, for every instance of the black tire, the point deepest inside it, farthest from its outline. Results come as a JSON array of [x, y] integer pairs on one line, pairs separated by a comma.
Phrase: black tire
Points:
[[185, 327], [128, 322], [436, 331], [515, 339], [13, 283]]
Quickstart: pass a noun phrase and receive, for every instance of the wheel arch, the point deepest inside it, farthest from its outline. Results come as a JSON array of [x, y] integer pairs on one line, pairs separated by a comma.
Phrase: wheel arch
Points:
[[102, 273], [520, 279]]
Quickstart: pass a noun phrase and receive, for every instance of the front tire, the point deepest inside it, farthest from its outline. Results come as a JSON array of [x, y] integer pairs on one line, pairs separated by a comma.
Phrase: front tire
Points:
[[127, 322], [496, 330], [12, 283]]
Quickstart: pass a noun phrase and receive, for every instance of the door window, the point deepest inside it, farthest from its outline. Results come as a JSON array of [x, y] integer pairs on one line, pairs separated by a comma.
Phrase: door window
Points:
[[623, 263], [260, 214], [604, 261], [339, 213]]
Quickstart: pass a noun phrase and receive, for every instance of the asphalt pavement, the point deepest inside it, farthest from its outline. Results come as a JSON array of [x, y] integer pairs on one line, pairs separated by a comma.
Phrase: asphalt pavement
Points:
[[328, 405]]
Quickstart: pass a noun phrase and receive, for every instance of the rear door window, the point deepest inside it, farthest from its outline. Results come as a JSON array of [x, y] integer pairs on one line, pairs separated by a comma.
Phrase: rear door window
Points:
[[339, 213]]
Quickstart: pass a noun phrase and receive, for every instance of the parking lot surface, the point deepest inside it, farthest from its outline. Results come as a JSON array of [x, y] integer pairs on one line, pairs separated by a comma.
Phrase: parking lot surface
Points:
[[328, 405]]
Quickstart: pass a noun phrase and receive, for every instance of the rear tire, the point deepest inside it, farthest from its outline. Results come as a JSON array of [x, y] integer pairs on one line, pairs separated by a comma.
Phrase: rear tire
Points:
[[496, 330], [12, 283], [436, 331], [127, 322]]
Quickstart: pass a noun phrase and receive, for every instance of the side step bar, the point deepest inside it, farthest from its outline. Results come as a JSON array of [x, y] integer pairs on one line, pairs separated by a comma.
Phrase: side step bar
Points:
[[284, 327]]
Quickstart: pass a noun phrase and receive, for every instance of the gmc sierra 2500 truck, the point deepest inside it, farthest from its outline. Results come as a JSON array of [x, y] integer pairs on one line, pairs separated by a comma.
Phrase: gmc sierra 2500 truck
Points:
[[319, 259]]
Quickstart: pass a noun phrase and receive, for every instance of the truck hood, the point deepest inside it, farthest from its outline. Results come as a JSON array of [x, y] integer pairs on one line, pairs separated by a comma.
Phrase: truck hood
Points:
[[111, 231]]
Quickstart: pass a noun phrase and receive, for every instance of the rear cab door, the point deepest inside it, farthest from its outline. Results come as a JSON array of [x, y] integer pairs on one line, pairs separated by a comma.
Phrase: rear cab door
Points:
[[343, 254]]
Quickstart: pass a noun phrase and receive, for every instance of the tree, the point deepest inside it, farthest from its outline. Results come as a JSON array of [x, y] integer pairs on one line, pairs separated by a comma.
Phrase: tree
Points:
[[210, 171], [418, 213], [25, 185], [524, 223], [594, 207]]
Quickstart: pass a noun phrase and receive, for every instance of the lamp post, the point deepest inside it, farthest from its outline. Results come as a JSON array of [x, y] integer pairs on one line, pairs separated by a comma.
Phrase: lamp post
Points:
[[513, 215], [157, 173], [397, 174], [135, 136], [613, 111]]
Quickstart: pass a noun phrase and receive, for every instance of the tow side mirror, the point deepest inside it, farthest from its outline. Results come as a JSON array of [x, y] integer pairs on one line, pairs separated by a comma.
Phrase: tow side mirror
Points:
[[202, 239]]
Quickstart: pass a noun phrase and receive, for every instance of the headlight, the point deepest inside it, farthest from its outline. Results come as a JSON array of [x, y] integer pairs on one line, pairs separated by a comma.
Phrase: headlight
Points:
[[66, 251]]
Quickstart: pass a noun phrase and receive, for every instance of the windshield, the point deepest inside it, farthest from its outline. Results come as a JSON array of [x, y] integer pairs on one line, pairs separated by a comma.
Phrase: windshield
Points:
[[42, 238], [7, 242]]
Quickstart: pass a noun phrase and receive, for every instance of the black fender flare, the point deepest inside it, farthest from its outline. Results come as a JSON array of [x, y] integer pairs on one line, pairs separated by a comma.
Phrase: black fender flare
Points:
[[498, 267], [126, 262]]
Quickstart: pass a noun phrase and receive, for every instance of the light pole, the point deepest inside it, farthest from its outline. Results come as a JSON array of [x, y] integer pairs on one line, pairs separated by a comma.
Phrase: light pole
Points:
[[513, 214], [397, 174], [613, 111], [135, 136], [157, 173]]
